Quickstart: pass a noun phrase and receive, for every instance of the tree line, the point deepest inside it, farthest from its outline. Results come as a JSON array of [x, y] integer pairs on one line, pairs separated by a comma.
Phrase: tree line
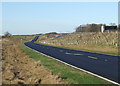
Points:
[[89, 28]]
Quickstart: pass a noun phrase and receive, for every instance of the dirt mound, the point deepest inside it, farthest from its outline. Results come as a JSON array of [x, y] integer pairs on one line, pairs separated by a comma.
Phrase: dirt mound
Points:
[[18, 68]]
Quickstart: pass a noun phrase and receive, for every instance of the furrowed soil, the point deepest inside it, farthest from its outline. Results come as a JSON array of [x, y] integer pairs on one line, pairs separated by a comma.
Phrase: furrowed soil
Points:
[[19, 68]]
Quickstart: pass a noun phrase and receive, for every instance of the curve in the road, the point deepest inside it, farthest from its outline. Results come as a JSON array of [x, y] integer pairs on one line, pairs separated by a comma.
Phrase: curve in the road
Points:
[[103, 65]]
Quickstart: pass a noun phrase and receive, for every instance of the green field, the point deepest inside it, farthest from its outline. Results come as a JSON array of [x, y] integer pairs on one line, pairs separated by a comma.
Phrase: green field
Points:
[[69, 74]]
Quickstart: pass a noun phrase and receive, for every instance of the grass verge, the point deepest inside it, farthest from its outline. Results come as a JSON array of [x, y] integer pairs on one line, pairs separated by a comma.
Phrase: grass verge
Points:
[[69, 74], [81, 49]]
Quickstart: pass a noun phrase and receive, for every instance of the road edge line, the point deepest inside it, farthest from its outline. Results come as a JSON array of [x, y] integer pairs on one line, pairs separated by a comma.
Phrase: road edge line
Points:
[[76, 67]]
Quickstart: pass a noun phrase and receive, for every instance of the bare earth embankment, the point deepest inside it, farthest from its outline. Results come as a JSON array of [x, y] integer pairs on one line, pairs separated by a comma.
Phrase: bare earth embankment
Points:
[[106, 42], [19, 68]]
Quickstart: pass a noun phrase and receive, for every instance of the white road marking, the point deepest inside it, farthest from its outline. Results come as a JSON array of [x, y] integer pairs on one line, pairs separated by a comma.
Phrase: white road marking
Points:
[[106, 60], [78, 54], [73, 53], [61, 50], [92, 57], [76, 67], [67, 53]]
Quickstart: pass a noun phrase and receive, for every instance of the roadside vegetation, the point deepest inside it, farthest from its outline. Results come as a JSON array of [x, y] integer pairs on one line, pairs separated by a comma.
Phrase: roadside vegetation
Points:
[[23, 37], [19, 69], [106, 43], [74, 47], [67, 73], [94, 42], [7, 34]]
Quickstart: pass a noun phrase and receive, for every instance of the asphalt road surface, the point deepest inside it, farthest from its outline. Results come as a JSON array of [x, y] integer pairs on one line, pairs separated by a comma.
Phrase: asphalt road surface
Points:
[[100, 64]]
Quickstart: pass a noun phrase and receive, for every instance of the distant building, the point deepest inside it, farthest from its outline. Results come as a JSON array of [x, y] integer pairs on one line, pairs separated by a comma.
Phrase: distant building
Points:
[[108, 28]]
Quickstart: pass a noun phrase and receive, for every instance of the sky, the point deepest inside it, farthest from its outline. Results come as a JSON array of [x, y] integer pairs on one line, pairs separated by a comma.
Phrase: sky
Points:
[[119, 13], [23, 18]]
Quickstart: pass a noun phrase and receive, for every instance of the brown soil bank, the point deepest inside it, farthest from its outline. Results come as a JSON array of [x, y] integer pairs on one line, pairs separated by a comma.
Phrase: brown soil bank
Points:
[[106, 42], [18, 68]]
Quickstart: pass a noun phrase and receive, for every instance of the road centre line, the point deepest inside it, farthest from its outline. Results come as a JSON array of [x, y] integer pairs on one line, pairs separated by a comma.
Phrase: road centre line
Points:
[[92, 57], [106, 60], [78, 54], [73, 53], [61, 50], [67, 53], [76, 67]]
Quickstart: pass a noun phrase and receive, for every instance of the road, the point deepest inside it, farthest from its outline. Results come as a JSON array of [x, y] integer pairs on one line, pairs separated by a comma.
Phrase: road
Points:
[[100, 64]]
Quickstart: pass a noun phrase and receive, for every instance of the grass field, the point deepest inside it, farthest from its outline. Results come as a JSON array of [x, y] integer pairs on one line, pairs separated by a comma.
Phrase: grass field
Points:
[[69, 74], [25, 38]]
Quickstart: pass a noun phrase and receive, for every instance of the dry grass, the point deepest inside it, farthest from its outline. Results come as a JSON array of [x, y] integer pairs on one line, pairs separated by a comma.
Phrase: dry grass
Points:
[[19, 68], [96, 41]]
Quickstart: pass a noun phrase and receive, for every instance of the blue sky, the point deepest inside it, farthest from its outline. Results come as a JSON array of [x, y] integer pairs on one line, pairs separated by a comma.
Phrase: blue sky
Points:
[[41, 17], [119, 13]]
